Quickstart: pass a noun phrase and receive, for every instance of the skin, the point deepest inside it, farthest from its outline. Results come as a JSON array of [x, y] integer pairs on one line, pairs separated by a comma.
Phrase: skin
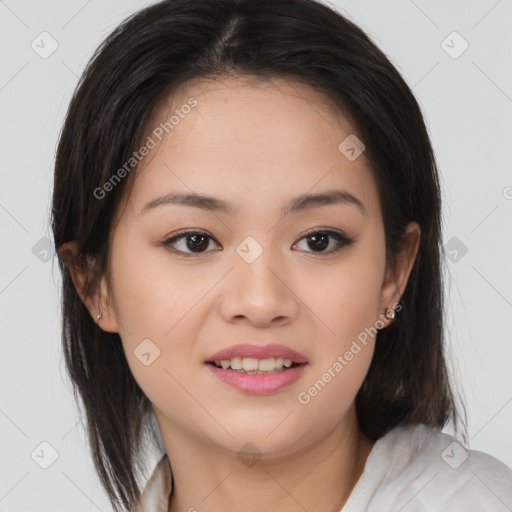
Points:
[[256, 145]]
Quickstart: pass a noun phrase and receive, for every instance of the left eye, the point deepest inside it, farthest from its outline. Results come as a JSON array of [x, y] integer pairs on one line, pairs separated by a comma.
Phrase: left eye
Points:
[[197, 242], [319, 241]]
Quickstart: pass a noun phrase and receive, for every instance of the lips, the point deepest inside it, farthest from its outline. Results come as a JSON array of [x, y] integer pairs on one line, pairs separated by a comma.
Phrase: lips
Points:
[[256, 369], [258, 352]]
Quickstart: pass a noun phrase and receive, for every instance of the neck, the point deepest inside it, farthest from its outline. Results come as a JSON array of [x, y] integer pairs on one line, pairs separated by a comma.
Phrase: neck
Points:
[[318, 477]]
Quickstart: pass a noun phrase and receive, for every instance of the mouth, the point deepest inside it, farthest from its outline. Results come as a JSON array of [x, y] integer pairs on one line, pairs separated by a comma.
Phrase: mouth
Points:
[[257, 359], [253, 366], [257, 369]]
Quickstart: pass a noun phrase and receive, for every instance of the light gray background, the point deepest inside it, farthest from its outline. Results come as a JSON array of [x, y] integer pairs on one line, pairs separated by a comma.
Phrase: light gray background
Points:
[[467, 102]]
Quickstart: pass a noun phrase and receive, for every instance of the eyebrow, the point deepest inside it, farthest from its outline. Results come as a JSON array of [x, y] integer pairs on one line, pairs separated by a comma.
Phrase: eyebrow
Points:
[[296, 204]]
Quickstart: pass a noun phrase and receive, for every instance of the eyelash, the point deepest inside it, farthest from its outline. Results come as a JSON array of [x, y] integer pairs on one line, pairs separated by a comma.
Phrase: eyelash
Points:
[[341, 238]]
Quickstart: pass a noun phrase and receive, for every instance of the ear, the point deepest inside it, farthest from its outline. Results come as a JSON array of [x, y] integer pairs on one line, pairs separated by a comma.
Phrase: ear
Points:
[[396, 279], [99, 301]]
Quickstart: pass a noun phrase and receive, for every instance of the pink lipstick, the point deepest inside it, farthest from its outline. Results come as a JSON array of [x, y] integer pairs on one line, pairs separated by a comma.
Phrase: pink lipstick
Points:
[[257, 369]]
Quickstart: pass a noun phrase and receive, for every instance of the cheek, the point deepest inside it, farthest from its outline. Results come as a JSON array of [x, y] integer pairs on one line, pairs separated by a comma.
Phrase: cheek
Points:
[[151, 296], [347, 300], [346, 297], [161, 307], [160, 302], [345, 350], [154, 307], [328, 396]]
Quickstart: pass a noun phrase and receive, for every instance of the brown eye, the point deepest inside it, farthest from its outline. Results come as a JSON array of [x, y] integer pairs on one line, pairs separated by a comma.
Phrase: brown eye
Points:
[[318, 241], [190, 242], [197, 242]]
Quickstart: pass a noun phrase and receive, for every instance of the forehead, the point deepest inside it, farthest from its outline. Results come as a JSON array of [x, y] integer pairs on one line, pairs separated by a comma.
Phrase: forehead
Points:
[[253, 111], [248, 138]]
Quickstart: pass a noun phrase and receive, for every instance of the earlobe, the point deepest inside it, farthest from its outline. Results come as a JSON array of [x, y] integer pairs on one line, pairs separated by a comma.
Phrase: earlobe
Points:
[[396, 279], [97, 303], [68, 253], [105, 317], [407, 257]]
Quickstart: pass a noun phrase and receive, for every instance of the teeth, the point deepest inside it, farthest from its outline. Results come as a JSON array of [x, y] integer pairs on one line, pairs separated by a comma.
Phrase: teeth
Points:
[[248, 363], [236, 363], [266, 365], [253, 365]]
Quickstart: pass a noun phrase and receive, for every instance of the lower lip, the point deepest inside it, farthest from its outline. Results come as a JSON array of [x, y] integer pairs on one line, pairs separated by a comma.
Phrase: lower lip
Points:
[[258, 384]]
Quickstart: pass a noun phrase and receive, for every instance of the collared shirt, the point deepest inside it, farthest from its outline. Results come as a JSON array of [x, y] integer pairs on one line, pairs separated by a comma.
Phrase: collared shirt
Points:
[[410, 469]]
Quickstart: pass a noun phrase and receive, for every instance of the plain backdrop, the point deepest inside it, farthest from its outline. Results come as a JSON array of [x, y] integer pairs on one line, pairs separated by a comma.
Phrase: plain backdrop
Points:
[[466, 97]]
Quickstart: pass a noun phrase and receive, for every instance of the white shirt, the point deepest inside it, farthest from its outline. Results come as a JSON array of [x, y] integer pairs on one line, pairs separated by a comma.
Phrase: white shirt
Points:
[[410, 469]]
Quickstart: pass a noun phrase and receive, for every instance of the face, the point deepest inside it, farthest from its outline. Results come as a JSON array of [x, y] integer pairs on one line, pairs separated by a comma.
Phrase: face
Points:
[[253, 265]]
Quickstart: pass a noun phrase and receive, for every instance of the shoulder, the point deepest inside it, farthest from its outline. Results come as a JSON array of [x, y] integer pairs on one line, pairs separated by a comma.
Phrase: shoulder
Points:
[[158, 488], [418, 468], [155, 478]]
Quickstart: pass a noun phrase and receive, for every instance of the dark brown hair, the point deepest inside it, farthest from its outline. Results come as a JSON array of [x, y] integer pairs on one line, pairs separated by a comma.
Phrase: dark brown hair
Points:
[[150, 56]]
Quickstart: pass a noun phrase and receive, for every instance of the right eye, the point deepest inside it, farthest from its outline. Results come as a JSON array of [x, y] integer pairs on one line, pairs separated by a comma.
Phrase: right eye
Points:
[[189, 242]]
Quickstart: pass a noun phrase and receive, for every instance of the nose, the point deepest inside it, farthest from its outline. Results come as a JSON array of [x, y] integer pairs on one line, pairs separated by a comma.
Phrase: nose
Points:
[[259, 293]]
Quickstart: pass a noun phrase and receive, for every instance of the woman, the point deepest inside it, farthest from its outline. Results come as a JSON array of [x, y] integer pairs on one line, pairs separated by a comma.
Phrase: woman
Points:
[[247, 214]]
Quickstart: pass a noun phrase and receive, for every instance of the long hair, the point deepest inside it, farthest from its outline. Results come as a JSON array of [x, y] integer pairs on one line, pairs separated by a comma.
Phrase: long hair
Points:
[[144, 61]]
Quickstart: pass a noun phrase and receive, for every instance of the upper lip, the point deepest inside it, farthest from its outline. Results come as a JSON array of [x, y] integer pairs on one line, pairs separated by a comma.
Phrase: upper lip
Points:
[[258, 352]]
